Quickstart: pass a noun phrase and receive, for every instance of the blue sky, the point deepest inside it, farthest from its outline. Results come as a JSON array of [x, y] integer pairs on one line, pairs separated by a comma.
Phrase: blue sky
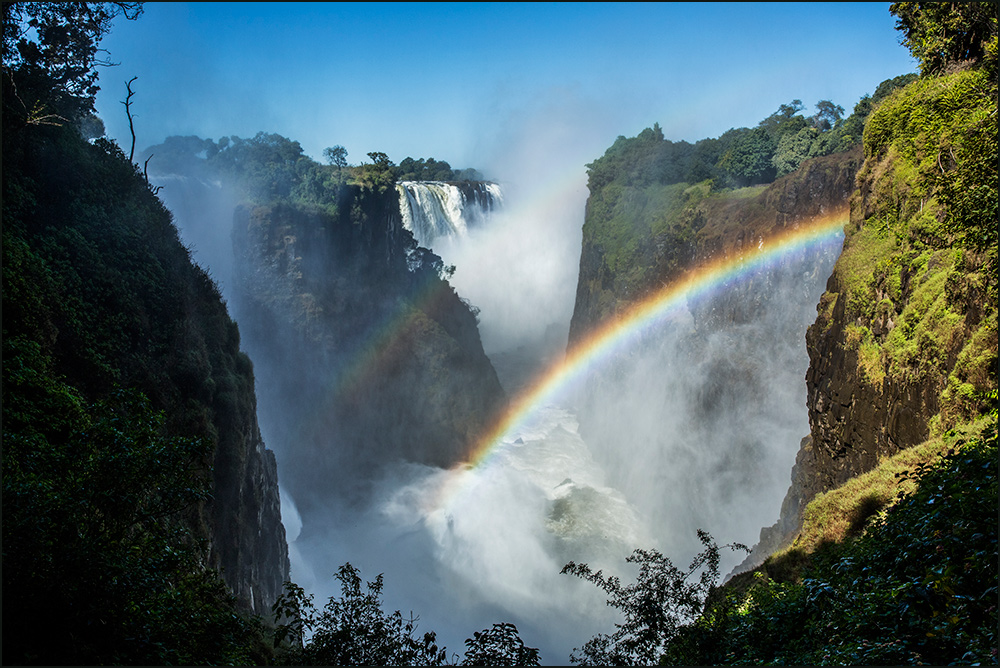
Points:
[[462, 82]]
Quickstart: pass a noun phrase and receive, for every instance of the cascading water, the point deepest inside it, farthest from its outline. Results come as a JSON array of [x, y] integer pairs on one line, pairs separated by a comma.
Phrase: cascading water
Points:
[[684, 430], [433, 209]]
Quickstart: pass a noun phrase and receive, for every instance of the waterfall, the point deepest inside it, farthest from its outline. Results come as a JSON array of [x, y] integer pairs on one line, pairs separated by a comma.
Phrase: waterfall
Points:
[[433, 209]]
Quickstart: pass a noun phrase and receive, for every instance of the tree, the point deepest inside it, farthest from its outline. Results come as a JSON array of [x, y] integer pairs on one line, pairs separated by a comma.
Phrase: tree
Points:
[[785, 120], [380, 174], [50, 50], [351, 630], [749, 160], [792, 149], [827, 115], [940, 34], [499, 646], [336, 156], [97, 560], [662, 600]]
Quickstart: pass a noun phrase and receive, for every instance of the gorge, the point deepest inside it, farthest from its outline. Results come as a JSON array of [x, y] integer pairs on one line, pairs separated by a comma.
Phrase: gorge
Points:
[[234, 377], [689, 422]]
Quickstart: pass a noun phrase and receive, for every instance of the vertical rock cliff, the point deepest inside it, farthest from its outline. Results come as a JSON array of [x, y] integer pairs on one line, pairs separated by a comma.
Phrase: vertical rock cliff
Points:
[[701, 227], [904, 346], [132, 454], [367, 355], [712, 403]]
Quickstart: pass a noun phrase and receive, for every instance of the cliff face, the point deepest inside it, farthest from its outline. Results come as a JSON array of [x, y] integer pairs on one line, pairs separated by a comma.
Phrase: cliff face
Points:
[[100, 298], [366, 354], [247, 535], [905, 343], [904, 346], [711, 405], [637, 241]]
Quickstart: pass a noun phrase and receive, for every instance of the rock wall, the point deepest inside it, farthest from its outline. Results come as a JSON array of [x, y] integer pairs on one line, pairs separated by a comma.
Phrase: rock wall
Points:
[[133, 311], [707, 227], [904, 346], [756, 322], [366, 355]]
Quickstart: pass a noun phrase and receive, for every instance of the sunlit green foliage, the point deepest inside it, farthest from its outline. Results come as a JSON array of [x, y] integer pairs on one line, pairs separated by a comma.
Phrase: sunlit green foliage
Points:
[[919, 271], [642, 213], [914, 584], [841, 513], [919, 586], [944, 34]]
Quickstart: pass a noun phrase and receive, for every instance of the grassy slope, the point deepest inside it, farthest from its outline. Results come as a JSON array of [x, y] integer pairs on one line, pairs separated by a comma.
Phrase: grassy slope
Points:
[[920, 291], [909, 547]]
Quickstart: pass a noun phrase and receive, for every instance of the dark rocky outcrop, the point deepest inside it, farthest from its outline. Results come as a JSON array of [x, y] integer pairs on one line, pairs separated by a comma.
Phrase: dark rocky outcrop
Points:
[[367, 355], [111, 299]]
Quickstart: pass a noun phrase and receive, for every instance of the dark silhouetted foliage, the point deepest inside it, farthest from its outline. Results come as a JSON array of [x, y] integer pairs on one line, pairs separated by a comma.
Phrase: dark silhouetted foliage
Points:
[[656, 607], [50, 50], [353, 630], [498, 646]]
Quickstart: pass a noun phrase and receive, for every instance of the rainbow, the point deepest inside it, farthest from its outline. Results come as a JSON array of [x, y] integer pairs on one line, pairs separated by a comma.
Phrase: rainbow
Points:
[[618, 333]]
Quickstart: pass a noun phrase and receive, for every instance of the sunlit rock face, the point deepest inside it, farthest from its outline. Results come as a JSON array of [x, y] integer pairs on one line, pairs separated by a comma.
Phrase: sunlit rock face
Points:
[[713, 402], [432, 209], [365, 355]]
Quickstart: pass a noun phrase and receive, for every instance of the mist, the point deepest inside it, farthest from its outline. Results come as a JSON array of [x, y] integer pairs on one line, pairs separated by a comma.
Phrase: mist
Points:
[[694, 426]]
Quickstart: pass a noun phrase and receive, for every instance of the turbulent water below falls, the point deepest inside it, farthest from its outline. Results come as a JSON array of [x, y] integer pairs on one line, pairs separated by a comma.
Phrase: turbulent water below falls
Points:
[[682, 432], [470, 547]]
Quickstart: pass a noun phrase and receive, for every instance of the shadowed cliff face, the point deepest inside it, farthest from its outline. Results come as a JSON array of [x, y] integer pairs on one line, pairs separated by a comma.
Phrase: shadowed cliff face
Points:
[[129, 309], [366, 355], [711, 404]]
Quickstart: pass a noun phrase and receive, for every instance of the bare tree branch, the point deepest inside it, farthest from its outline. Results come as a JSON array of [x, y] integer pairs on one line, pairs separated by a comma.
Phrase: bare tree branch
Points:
[[128, 112], [154, 189]]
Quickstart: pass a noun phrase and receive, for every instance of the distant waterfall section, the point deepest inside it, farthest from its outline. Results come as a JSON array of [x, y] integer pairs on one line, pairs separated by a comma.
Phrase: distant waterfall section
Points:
[[433, 209]]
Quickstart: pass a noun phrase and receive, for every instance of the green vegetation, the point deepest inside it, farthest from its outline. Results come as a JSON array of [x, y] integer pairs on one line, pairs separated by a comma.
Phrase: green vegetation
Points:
[[123, 385], [919, 269], [944, 35], [740, 156], [899, 564], [100, 565], [433, 170], [353, 630], [842, 513], [125, 393], [650, 197], [916, 584], [270, 168], [51, 50]]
